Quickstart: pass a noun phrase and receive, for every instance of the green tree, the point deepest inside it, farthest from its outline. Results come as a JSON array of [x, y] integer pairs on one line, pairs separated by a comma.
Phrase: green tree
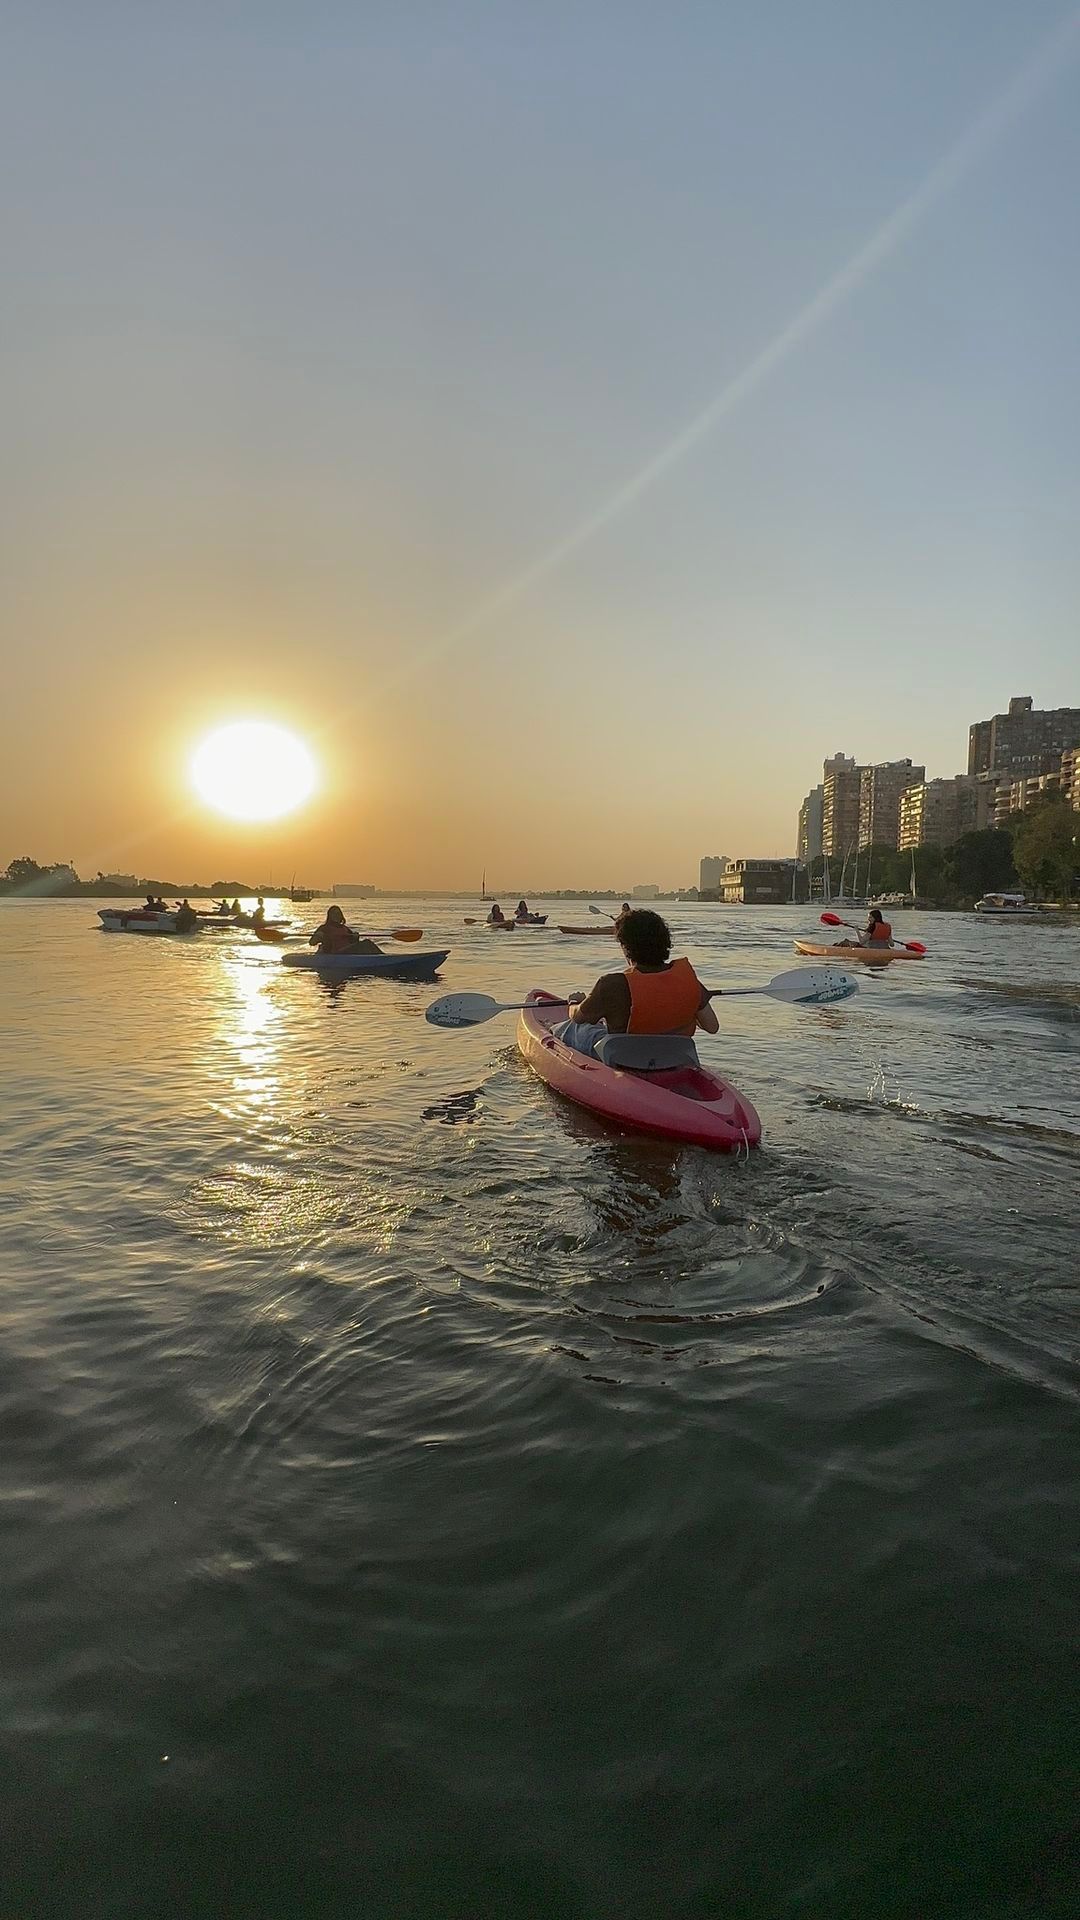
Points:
[[1047, 849], [22, 872], [980, 863], [932, 882]]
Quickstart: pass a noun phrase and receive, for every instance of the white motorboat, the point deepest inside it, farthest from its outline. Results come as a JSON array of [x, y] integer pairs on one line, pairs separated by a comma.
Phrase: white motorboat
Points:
[[1007, 906], [138, 920]]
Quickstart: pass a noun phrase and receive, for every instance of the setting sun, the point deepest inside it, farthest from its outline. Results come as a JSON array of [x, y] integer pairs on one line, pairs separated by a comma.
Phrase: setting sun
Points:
[[253, 770]]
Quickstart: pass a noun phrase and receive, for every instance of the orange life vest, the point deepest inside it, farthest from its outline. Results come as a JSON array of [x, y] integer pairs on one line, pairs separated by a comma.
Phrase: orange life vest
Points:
[[665, 1002], [881, 933]]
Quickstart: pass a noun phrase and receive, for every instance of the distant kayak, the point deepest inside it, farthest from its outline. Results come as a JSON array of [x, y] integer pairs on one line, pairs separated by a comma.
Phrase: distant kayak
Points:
[[685, 1102], [594, 933], [406, 966], [868, 956], [141, 921]]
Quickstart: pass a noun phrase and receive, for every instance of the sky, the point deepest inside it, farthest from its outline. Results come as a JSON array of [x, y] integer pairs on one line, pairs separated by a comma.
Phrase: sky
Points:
[[574, 421]]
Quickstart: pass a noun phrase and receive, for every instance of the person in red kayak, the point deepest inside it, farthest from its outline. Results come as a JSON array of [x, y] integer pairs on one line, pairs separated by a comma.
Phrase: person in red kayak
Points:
[[334, 936], [656, 994], [876, 933]]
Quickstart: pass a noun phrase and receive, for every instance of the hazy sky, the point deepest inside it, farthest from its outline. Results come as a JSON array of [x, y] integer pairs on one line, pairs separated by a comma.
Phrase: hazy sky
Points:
[[574, 419]]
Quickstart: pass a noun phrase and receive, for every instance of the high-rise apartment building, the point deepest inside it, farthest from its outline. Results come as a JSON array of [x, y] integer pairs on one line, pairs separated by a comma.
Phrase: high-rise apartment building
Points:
[[937, 812], [808, 841], [712, 866], [1026, 741], [839, 806], [880, 788], [1070, 777], [991, 792]]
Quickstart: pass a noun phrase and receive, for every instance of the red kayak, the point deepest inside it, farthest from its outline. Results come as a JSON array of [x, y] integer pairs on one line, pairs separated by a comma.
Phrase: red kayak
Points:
[[604, 933], [682, 1101]]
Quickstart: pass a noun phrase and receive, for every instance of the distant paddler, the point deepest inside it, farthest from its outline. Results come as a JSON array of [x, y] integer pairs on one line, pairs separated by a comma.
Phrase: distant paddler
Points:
[[876, 933], [334, 936]]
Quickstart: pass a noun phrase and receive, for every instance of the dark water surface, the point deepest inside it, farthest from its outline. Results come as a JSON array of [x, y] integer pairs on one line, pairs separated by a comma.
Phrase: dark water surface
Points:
[[417, 1501]]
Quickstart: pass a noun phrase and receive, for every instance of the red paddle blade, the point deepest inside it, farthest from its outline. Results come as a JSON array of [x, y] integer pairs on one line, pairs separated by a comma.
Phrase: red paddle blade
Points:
[[914, 946], [831, 920]]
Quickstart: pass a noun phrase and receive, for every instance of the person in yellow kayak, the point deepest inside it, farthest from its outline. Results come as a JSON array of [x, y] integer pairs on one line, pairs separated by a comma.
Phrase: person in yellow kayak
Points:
[[876, 933], [334, 936], [655, 994], [496, 918]]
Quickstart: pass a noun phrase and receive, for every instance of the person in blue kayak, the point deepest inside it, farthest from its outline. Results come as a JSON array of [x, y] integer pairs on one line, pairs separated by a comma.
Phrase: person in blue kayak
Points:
[[521, 911], [655, 994], [334, 936]]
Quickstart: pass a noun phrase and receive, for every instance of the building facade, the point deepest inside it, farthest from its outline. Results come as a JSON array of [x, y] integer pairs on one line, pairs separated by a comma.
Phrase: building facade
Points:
[[761, 883], [646, 892], [1070, 777], [712, 866], [808, 839], [840, 806], [880, 790], [936, 812], [1024, 742], [1020, 794]]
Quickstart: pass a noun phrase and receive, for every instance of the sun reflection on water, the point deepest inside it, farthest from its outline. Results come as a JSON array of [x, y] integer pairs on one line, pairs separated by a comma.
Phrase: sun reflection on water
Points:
[[248, 1021]]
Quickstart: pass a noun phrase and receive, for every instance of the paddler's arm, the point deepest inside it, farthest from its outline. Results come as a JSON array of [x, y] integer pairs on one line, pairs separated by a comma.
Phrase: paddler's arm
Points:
[[706, 1018], [601, 1003]]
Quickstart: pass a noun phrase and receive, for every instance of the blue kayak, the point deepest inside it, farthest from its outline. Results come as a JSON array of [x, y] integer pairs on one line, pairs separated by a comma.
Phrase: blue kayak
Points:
[[405, 966]]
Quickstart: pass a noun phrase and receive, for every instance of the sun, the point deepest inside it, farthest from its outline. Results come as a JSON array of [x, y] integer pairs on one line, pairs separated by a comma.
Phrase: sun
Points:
[[253, 770]]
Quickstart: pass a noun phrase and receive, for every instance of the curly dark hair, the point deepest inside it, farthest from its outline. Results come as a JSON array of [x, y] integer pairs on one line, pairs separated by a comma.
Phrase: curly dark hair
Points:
[[645, 938]]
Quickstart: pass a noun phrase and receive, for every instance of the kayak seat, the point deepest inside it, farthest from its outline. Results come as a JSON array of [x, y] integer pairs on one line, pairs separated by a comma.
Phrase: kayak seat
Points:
[[648, 1052]]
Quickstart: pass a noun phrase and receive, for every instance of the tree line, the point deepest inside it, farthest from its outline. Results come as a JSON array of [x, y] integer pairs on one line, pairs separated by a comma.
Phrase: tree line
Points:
[[55, 881], [1039, 852]]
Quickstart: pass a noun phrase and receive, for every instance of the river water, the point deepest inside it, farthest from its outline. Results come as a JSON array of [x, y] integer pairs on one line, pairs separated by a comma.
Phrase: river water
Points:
[[418, 1502]]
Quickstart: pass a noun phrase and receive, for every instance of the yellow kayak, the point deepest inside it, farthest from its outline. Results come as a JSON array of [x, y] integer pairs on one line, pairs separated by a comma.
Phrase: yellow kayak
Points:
[[867, 956]]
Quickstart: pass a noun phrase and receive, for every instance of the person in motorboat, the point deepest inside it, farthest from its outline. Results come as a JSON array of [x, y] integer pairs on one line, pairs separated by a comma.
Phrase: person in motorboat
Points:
[[496, 918], [334, 936], [521, 911], [186, 917], [656, 994], [876, 933]]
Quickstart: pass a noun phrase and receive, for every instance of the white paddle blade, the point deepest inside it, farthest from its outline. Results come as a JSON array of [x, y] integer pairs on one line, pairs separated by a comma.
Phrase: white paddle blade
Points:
[[812, 986], [462, 1010]]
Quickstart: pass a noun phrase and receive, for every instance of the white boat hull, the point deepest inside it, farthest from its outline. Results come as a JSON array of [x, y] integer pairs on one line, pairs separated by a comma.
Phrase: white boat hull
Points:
[[118, 922]]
